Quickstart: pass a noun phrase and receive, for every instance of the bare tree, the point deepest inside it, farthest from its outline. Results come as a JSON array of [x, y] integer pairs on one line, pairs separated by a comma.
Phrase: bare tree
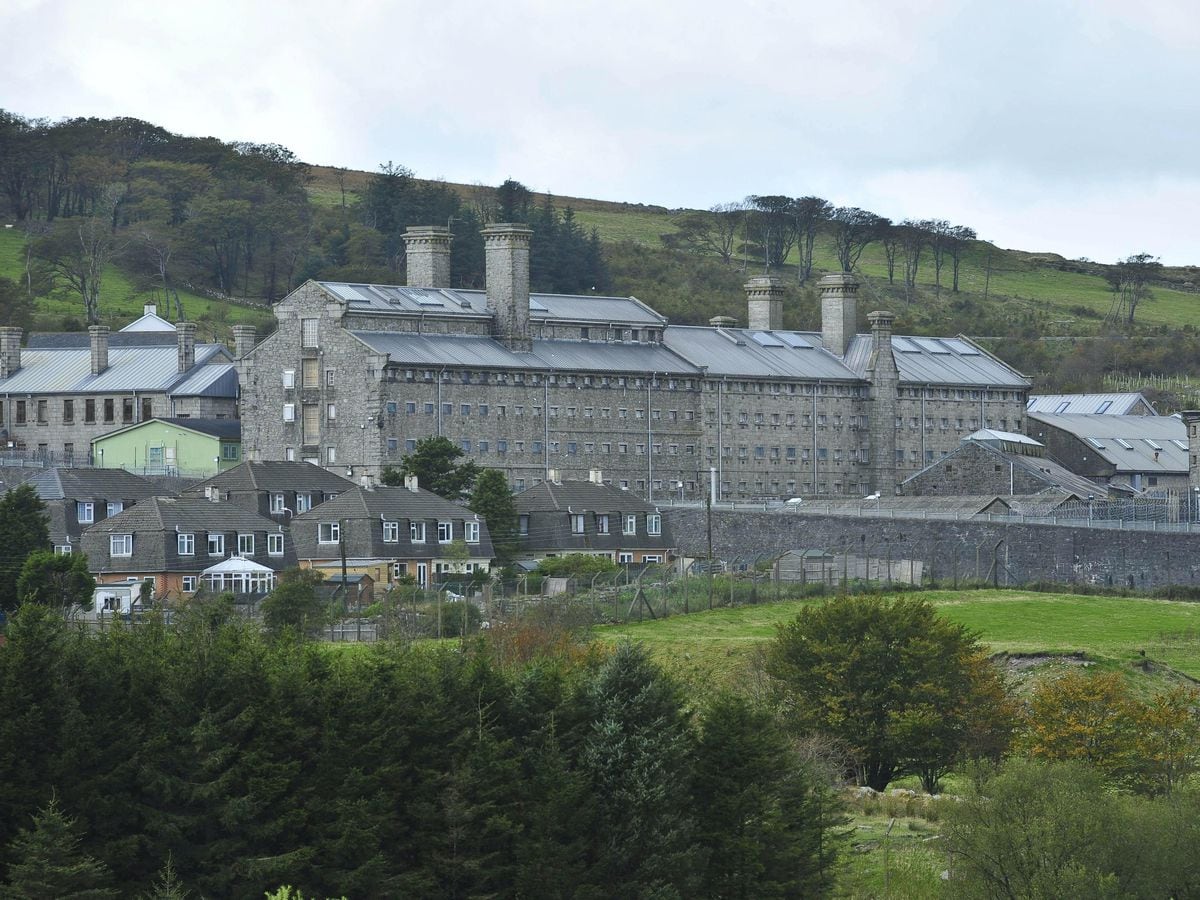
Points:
[[810, 213], [890, 238], [712, 231], [939, 240], [853, 230], [1130, 282], [159, 244], [960, 236], [79, 249], [914, 236]]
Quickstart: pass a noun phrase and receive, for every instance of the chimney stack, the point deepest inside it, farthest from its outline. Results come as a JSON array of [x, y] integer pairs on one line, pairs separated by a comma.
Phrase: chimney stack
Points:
[[839, 311], [884, 378], [185, 342], [10, 350], [243, 340], [427, 250], [410, 483], [764, 297], [506, 247], [99, 337]]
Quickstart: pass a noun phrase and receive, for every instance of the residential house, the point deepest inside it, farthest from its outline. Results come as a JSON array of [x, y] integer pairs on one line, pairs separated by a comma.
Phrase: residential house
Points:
[[77, 498], [274, 489], [172, 446], [556, 518], [389, 532], [177, 542]]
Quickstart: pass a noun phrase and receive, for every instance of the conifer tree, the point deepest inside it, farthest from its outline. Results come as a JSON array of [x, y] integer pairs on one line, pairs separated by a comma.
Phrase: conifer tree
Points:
[[493, 499], [48, 863], [24, 528]]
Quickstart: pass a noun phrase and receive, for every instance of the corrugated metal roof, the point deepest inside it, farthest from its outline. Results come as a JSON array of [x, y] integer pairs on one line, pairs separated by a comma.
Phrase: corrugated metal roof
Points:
[[740, 352], [68, 371], [991, 434], [1130, 443], [397, 299], [1125, 404], [475, 351], [938, 361], [217, 380]]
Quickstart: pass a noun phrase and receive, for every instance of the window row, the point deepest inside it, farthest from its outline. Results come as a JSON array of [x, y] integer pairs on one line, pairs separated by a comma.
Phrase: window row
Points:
[[331, 532]]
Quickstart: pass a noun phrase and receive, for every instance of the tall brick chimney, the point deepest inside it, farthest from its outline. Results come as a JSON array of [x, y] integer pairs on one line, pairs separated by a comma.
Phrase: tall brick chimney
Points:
[[243, 340], [839, 311], [764, 297], [427, 250], [99, 339], [10, 350], [507, 259], [884, 377], [185, 342]]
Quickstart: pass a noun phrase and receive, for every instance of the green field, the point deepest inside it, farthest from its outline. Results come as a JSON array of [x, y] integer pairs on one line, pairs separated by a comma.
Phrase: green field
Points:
[[1110, 630]]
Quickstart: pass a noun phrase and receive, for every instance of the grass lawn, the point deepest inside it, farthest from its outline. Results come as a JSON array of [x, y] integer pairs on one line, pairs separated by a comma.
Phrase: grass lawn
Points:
[[1111, 630]]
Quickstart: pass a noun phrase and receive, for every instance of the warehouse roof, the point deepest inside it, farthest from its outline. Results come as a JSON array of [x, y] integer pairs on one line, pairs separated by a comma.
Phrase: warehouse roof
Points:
[[67, 370], [1129, 404], [926, 360], [1130, 443]]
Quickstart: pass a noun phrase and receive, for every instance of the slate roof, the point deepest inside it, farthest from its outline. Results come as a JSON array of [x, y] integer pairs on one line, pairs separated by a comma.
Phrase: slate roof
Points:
[[364, 511], [740, 352], [155, 522], [62, 483], [579, 496], [400, 300], [273, 476], [154, 367], [1129, 443], [484, 352], [1091, 404], [1044, 470]]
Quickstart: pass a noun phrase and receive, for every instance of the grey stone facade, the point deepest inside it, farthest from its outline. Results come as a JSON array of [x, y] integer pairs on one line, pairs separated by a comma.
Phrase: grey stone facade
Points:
[[581, 383]]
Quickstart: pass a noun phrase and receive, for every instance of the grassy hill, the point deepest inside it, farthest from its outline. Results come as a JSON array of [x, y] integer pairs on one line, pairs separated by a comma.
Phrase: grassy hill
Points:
[[122, 299]]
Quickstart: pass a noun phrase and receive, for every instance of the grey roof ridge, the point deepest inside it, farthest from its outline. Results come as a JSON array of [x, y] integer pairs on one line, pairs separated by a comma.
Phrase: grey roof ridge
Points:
[[197, 365]]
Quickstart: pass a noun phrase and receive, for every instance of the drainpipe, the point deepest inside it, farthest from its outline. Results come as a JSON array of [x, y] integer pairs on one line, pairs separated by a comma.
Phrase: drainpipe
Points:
[[720, 438], [649, 442], [546, 424], [924, 387], [439, 400]]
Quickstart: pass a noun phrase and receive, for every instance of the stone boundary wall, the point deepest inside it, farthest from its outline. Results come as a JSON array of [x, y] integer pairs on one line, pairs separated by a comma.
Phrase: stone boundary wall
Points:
[[1009, 554]]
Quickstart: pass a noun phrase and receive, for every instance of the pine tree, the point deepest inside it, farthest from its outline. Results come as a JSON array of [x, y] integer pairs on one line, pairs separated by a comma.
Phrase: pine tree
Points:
[[493, 499], [24, 528], [48, 863]]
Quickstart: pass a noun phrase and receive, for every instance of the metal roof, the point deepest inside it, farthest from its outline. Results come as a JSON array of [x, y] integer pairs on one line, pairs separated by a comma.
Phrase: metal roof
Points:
[[922, 360], [740, 352], [476, 351], [68, 370], [150, 322], [1126, 404], [400, 300], [1130, 443], [991, 434], [216, 380]]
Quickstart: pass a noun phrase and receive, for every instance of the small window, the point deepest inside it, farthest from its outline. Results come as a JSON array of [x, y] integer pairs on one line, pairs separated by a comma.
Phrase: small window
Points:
[[309, 332], [329, 532], [84, 513], [275, 544], [391, 532], [445, 532], [229, 451], [189, 584], [120, 544], [289, 412], [416, 532], [653, 523], [277, 504], [331, 411], [216, 544], [576, 523], [523, 521], [186, 544], [245, 545], [630, 524], [602, 524], [330, 378], [331, 454], [471, 532], [624, 557], [289, 379], [303, 503]]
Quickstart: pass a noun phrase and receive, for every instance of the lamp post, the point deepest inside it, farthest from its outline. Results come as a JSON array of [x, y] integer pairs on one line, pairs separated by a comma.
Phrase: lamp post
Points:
[[1196, 493], [1091, 497]]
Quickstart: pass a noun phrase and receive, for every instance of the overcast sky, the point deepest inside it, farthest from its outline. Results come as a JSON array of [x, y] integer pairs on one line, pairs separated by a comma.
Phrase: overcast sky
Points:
[[1061, 126]]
